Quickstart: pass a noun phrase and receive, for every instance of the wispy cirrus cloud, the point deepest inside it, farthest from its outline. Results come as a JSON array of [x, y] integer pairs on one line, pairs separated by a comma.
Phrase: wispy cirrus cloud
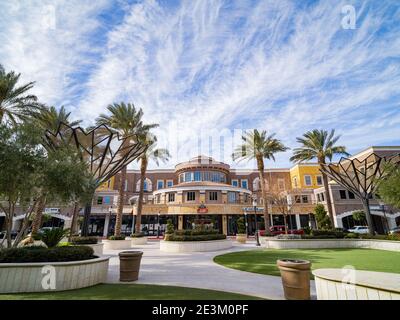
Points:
[[198, 67]]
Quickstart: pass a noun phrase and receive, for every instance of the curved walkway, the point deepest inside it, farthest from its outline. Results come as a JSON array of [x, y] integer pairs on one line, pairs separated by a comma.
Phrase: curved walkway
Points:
[[197, 270]]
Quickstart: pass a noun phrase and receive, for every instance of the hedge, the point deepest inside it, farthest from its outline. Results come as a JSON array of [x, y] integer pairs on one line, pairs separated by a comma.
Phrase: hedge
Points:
[[203, 237], [84, 240], [42, 254]]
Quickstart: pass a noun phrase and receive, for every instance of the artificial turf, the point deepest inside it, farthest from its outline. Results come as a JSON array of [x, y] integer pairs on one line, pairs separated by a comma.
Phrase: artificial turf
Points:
[[130, 292], [264, 261]]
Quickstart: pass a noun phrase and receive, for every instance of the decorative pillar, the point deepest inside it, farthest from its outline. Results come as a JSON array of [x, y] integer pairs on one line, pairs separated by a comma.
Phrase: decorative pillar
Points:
[[179, 197], [225, 224], [224, 196], [298, 221], [180, 222]]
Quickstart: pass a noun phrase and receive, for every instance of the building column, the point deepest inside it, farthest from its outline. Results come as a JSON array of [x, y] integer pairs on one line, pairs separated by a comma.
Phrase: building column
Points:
[[298, 221], [338, 222], [106, 224], [67, 224], [202, 196], [225, 224], [180, 222]]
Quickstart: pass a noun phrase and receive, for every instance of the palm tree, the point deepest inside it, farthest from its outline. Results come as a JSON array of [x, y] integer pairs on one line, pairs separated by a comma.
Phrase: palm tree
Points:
[[320, 145], [14, 100], [47, 118], [152, 153], [127, 121], [259, 146]]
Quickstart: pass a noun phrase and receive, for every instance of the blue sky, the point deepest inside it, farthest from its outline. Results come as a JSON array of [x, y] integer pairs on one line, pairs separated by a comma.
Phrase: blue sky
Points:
[[204, 68]]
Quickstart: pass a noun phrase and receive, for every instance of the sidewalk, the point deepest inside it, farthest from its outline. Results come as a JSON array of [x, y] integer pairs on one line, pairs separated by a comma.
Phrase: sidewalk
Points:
[[198, 270]]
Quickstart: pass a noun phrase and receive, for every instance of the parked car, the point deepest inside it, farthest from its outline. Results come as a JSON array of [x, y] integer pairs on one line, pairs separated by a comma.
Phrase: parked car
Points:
[[359, 229], [395, 230], [280, 229]]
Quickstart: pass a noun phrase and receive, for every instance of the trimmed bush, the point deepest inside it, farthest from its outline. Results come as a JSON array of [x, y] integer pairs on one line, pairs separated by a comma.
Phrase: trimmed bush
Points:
[[41, 254], [116, 238], [241, 226], [203, 237], [84, 240], [170, 227], [137, 235]]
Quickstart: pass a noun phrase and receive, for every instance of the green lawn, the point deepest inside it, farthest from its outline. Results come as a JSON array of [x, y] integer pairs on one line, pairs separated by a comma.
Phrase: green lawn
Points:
[[130, 292], [264, 261]]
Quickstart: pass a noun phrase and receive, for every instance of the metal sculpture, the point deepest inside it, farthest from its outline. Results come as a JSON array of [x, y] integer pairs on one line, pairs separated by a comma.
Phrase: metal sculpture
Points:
[[361, 177], [103, 149]]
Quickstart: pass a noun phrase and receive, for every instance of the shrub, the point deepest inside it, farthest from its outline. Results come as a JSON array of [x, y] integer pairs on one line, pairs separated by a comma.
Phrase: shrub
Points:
[[328, 233], [116, 238], [137, 235], [170, 227], [84, 240], [351, 235], [203, 237], [241, 227], [321, 216], [307, 230], [51, 237], [41, 254]]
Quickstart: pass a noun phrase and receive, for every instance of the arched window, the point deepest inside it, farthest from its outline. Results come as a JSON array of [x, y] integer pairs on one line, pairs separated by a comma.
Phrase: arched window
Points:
[[148, 186], [256, 184]]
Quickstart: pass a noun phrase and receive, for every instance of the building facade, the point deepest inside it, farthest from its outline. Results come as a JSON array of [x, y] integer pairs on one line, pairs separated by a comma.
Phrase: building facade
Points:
[[203, 190]]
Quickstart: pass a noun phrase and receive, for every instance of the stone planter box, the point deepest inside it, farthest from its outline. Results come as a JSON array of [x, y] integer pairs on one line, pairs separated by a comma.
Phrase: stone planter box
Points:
[[138, 241], [241, 237], [273, 243], [195, 246], [30, 277], [117, 244], [97, 248], [362, 285]]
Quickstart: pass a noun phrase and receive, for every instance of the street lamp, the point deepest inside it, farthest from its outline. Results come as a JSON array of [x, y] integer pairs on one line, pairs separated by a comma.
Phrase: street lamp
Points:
[[247, 225], [158, 224], [255, 219]]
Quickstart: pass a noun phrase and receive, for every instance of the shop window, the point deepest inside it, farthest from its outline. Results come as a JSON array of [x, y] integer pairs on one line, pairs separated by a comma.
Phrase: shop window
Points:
[[191, 196], [213, 195], [171, 197]]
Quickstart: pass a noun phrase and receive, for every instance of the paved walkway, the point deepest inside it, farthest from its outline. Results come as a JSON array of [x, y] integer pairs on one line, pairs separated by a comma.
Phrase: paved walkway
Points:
[[197, 270]]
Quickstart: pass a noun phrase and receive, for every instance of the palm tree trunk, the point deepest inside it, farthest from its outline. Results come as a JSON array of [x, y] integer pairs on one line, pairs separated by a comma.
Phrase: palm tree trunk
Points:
[[327, 193], [37, 221], [143, 168], [260, 166], [121, 198]]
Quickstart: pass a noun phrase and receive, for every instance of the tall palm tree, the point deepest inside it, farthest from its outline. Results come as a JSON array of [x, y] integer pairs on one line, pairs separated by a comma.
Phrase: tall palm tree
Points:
[[259, 146], [47, 118], [152, 153], [15, 102], [319, 145], [127, 121]]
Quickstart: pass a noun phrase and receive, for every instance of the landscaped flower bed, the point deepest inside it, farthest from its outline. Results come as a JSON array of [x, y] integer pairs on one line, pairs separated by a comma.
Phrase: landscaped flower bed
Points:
[[68, 267], [194, 240], [90, 242]]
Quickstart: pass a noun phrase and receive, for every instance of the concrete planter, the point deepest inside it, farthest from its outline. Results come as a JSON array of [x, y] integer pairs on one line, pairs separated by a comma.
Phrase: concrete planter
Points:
[[273, 243], [138, 241], [195, 246], [295, 276], [117, 244], [241, 237], [34, 277], [350, 284]]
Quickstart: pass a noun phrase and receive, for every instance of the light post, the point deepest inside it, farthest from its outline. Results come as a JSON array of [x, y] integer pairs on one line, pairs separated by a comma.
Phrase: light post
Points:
[[158, 224], [255, 220], [247, 225]]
